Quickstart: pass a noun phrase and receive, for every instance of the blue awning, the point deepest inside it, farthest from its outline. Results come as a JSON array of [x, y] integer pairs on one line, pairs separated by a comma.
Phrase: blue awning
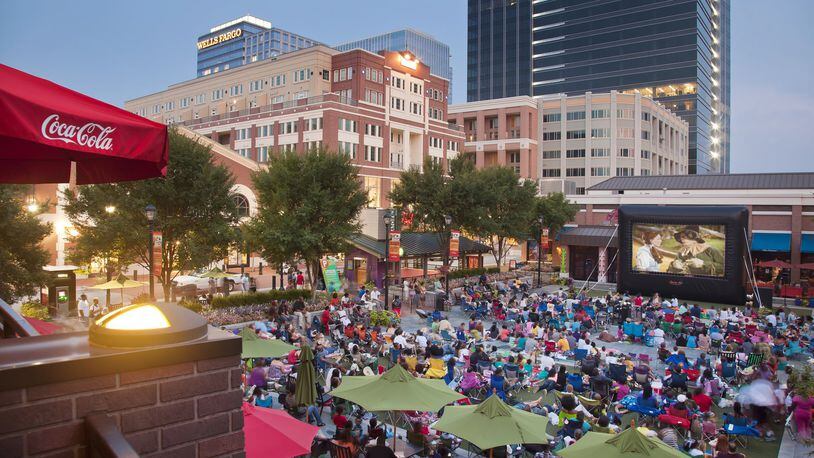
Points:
[[807, 243], [770, 241]]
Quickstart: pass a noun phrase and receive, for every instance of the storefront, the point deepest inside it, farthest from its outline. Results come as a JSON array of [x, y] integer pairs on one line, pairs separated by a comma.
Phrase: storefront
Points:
[[591, 252]]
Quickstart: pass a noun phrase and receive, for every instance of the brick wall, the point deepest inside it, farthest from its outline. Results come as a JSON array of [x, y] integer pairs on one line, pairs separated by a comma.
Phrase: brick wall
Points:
[[190, 409]]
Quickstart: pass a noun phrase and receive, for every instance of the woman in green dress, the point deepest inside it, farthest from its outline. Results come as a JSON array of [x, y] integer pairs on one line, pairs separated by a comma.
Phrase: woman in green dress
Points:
[[696, 256]]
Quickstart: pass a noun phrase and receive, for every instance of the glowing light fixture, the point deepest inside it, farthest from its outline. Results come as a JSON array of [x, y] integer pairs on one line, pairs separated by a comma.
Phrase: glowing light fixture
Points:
[[146, 325], [110, 209], [715, 125], [715, 155], [32, 207], [408, 60], [715, 140], [142, 316]]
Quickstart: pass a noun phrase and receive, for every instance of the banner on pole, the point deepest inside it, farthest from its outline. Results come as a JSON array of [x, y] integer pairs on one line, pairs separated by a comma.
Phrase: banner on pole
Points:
[[395, 246], [330, 273], [158, 241], [454, 244]]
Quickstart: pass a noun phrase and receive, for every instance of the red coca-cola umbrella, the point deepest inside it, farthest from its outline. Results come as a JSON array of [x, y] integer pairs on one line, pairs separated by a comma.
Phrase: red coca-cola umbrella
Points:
[[45, 127]]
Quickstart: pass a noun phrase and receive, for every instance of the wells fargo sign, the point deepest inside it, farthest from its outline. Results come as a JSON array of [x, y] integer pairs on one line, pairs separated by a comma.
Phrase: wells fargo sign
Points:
[[226, 36]]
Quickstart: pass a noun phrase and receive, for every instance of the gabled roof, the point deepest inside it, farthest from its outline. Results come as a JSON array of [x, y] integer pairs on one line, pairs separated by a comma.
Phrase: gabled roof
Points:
[[795, 180], [588, 236], [416, 244]]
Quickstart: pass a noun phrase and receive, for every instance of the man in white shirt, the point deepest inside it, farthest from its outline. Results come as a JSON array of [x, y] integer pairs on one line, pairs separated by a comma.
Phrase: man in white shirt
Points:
[[401, 340], [546, 361], [771, 318], [421, 340], [83, 306], [374, 294], [724, 315]]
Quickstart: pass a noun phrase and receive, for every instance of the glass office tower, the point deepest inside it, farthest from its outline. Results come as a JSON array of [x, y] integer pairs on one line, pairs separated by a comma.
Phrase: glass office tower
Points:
[[676, 52], [430, 51], [498, 49]]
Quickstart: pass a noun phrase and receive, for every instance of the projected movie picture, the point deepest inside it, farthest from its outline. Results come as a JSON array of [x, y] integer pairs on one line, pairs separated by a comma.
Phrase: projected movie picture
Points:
[[679, 249]]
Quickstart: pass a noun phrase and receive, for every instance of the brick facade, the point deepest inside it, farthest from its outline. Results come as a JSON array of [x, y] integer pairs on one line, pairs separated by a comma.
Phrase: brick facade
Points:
[[190, 409]]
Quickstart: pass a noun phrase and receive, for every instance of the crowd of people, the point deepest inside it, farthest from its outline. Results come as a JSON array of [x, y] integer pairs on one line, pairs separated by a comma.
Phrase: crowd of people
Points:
[[558, 355]]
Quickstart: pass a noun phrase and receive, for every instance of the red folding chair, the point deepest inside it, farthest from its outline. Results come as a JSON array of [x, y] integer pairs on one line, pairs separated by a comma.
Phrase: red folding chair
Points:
[[669, 317]]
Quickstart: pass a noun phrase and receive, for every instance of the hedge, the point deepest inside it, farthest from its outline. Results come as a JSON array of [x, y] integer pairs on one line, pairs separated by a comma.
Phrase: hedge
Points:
[[464, 273], [237, 300], [35, 310]]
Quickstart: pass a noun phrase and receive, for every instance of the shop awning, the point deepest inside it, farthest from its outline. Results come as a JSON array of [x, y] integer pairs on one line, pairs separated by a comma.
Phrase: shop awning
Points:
[[771, 241], [807, 243], [588, 236]]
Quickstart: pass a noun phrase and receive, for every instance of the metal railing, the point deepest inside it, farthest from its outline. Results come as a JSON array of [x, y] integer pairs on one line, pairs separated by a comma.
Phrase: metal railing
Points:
[[397, 161], [105, 440], [14, 325], [514, 133], [272, 108], [454, 126]]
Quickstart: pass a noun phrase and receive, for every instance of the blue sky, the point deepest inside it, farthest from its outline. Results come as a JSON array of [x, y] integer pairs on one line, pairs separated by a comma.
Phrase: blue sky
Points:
[[116, 50]]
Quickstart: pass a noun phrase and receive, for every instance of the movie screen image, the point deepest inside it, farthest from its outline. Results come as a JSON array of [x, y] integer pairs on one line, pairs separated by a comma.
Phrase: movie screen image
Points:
[[679, 249]]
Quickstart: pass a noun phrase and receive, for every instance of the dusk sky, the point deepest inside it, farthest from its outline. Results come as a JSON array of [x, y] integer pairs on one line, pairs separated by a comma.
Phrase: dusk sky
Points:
[[116, 51]]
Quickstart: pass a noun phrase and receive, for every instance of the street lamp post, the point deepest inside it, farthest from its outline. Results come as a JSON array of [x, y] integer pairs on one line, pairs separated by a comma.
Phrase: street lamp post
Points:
[[388, 219], [540, 253], [149, 212], [448, 221]]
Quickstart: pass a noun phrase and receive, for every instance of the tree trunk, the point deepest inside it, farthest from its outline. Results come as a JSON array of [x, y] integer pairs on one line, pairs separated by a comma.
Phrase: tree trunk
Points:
[[311, 265]]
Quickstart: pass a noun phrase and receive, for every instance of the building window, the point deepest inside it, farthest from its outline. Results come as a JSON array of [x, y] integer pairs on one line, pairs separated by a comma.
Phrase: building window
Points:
[[372, 185], [313, 124], [242, 134], [289, 127], [575, 115], [575, 172], [624, 113], [645, 135], [302, 74], [580, 191], [645, 154], [574, 153], [278, 80], [397, 103], [575, 134], [645, 172], [625, 152], [237, 89], [645, 116], [600, 152], [547, 136], [263, 154], [300, 95], [552, 117], [600, 171], [373, 153], [600, 133], [373, 130], [551, 154], [242, 204], [551, 173], [348, 149], [625, 132], [245, 152], [624, 171], [278, 99], [255, 85], [348, 125], [452, 146], [600, 113]]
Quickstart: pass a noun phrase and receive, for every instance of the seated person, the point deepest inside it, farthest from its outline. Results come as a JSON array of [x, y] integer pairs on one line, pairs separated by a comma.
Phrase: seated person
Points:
[[380, 450], [345, 439], [677, 379], [339, 419], [646, 398], [679, 409]]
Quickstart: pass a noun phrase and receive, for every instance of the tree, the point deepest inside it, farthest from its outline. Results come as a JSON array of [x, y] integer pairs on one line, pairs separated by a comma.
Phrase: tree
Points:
[[557, 211], [308, 207], [21, 255], [510, 209], [196, 214], [430, 195]]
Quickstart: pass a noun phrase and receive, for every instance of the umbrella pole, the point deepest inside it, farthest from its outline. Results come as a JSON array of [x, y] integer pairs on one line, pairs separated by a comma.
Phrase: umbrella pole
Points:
[[393, 422]]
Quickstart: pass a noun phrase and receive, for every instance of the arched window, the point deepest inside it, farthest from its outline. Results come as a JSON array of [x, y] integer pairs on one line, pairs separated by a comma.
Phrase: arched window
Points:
[[242, 204]]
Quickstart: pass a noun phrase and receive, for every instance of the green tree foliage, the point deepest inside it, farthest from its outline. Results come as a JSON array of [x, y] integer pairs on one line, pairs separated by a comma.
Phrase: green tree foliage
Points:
[[21, 255], [196, 215], [308, 207], [557, 211], [508, 209], [431, 194]]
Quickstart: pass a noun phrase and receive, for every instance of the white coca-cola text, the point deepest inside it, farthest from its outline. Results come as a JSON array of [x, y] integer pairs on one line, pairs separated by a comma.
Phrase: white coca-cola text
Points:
[[90, 135]]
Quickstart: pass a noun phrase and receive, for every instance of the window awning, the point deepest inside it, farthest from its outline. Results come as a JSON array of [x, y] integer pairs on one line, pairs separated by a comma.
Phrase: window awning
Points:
[[771, 241], [807, 243]]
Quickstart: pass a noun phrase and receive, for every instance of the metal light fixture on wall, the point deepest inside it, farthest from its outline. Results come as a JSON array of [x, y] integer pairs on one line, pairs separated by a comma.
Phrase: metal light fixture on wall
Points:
[[144, 325]]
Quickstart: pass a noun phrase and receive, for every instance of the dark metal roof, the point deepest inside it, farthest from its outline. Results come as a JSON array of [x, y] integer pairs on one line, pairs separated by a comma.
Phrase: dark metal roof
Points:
[[417, 244], [803, 180], [588, 236]]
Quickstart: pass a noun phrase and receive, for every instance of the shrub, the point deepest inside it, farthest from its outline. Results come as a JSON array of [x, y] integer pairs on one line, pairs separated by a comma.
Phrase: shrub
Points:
[[383, 318], [35, 310], [238, 300], [465, 273], [193, 305], [142, 298]]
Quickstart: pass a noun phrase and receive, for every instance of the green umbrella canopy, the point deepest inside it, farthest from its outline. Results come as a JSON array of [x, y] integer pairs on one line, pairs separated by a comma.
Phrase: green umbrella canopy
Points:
[[305, 392], [396, 390], [215, 273], [120, 282], [492, 423], [630, 442], [255, 347]]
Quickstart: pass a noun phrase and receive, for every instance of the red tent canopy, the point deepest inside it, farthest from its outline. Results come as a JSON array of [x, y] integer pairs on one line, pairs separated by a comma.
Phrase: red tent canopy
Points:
[[271, 432], [775, 264], [44, 127]]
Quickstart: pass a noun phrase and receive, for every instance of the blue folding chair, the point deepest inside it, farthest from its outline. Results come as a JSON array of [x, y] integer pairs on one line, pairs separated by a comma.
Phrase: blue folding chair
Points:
[[575, 380], [580, 354], [740, 434]]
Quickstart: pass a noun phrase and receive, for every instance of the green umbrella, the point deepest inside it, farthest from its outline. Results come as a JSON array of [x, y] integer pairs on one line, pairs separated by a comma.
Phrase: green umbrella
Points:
[[396, 390], [255, 347], [216, 273], [305, 392], [492, 423], [120, 283], [630, 442]]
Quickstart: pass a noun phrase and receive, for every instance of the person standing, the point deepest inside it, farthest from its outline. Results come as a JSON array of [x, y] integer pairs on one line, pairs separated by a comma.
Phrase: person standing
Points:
[[83, 307], [95, 309], [246, 282], [300, 280]]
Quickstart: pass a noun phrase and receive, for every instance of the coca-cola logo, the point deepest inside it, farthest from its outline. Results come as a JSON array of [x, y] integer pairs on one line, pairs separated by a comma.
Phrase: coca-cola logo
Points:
[[90, 135]]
